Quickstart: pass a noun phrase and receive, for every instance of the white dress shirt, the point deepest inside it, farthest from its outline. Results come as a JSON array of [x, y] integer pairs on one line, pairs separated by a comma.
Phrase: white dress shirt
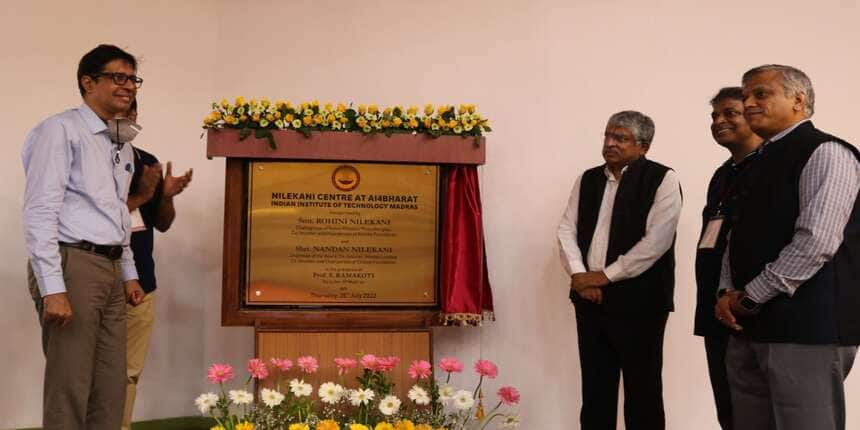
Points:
[[659, 231]]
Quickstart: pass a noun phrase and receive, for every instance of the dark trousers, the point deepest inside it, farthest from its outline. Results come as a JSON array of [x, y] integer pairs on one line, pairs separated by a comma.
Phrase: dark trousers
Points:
[[612, 345], [715, 348]]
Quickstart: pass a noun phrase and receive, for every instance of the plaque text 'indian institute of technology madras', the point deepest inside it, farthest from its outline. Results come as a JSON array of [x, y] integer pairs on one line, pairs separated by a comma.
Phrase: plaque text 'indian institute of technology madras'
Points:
[[342, 234]]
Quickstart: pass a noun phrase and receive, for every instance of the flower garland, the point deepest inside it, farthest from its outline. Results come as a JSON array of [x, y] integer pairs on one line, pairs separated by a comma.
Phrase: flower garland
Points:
[[262, 117]]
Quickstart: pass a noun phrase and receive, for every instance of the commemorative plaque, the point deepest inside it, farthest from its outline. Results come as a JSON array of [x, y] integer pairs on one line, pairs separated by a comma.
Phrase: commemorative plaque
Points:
[[341, 234]]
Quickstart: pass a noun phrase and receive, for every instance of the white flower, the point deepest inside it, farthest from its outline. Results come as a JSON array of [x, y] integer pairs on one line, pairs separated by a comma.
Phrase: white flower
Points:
[[419, 395], [446, 393], [511, 421], [360, 397], [205, 402], [300, 388], [330, 392], [241, 397], [463, 400], [389, 405], [271, 398]]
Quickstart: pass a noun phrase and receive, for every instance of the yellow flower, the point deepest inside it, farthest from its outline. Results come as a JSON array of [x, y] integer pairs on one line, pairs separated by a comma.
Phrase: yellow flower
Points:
[[463, 109], [265, 103], [303, 106], [229, 119], [308, 112], [271, 117], [330, 118], [318, 119], [452, 123], [366, 129], [405, 425], [255, 117], [386, 123], [442, 109], [264, 123], [297, 123], [243, 118], [434, 127], [387, 112], [216, 114], [358, 427], [361, 121], [289, 104], [328, 107], [468, 127], [471, 108], [289, 117], [373, 109], [341, 107], [315, 103], [413, 123], [383, 426], [308, 120], [427, 122], [224, 103], [298, 426], [244, 426], [423, 427], [412, 110], [277, 115], [428, 109], [252, 102], [217, 428], [328, 425], [397, 121], [362, 109], [240, 101]]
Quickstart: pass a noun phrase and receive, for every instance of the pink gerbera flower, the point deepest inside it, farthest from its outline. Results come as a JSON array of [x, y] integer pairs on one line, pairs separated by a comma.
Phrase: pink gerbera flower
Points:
[[369, 362], [486, 368], [509, 395], [450, 365], [257, 368], [420, 369], [344, 365], [308, 364], [386, 364], [220, 373], [283, 364]]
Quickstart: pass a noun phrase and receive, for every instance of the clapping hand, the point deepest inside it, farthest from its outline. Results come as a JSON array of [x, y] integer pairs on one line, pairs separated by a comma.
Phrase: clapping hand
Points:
[[174, 185]]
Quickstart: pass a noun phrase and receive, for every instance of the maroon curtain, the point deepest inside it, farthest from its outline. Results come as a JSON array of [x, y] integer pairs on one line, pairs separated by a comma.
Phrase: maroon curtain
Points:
[[466, 295]]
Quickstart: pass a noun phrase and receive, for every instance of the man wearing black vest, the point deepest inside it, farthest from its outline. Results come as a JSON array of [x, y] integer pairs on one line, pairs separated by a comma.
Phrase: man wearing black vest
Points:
[[731, 131], [789, 281], [617, 243]]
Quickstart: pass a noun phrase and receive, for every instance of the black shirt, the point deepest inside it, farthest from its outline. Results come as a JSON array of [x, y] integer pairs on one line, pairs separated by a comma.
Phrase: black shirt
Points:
[[142, 241]]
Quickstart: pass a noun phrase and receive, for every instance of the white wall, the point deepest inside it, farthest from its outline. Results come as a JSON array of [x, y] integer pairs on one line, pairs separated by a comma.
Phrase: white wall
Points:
[[548, 73]]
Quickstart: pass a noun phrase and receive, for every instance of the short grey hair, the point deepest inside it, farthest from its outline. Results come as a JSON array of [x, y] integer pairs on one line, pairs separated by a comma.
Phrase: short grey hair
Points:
[[794, 82], [638, 123]]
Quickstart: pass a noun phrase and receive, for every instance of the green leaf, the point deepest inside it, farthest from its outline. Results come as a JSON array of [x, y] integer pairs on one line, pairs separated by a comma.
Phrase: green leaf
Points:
[[244, 133], [487, 128], [387, 132], [305, 132]]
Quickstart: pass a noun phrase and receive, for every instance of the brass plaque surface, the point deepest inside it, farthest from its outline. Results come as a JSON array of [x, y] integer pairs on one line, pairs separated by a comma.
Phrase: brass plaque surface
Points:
[[342, 234]]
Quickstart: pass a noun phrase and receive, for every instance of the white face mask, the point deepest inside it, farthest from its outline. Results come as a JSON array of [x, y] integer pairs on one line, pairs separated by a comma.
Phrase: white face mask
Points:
[[123, 130]]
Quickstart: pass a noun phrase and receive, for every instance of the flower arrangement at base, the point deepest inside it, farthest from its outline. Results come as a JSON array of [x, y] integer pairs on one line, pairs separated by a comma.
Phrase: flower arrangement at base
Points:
[[370, 404], [262, 117]]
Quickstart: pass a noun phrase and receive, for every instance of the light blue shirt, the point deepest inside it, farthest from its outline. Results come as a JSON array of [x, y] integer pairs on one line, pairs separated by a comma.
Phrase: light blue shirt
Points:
[[77, 188]]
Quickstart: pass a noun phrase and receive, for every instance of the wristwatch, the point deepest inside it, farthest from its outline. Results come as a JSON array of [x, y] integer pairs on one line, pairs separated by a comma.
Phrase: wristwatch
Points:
[[749, 304]]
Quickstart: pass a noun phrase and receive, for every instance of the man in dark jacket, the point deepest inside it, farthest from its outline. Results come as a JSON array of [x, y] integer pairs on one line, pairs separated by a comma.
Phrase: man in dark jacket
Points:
[[791, 270], [617, 243], [731, 131]]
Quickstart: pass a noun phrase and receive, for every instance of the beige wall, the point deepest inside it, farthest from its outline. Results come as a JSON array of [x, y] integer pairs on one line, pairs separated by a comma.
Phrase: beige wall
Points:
[[548, 73]]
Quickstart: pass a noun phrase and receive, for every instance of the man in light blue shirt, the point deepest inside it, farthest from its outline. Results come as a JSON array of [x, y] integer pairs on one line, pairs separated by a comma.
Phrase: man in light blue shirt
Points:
[[77, 230]]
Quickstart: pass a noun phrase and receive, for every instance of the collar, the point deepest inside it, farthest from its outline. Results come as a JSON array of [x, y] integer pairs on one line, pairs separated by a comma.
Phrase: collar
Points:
[[92, 120], [611, 177], [783, 133]]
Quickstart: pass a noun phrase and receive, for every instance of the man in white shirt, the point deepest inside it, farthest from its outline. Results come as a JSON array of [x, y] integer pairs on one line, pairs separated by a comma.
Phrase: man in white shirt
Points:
[[617, 243]]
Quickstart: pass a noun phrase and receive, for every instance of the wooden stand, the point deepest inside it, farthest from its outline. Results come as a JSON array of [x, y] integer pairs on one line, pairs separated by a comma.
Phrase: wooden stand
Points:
[[327, 332]]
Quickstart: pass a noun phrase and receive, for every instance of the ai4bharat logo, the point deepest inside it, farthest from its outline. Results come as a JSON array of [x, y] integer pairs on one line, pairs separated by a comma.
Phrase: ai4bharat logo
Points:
[[345, 178]]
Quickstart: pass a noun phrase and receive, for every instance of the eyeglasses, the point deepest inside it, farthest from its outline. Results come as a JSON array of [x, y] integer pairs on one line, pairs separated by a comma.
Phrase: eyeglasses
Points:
[[120, 78]]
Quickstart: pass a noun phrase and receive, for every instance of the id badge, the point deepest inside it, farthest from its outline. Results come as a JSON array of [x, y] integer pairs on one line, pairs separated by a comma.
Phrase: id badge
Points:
[[137, 221], [711, 233]]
